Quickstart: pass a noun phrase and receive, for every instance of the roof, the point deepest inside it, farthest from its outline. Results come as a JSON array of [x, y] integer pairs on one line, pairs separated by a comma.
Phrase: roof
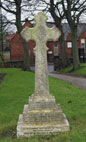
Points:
[[80, 30], [66, 29]]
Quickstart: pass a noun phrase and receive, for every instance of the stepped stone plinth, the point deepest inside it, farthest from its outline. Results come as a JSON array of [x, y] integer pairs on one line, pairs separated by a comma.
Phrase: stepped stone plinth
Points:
[[41, 116]]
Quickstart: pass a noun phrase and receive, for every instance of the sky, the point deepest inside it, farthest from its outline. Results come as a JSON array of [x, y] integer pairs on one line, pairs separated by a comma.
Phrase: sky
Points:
[[30, 16], [25, 15]]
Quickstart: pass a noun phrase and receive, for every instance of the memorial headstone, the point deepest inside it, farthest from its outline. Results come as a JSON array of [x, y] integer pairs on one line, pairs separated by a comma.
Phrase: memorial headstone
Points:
[[42, 116]]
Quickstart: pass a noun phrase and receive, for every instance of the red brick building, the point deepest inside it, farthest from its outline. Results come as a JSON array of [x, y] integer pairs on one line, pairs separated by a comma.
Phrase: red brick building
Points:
[[17, 51], [81, 41]]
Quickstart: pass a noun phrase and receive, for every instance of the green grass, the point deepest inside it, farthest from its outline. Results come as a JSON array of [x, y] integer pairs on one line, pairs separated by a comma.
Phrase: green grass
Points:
[[81, 71], [15, 89]]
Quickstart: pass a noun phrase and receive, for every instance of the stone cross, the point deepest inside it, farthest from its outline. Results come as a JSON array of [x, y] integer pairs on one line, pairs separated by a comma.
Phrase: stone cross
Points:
[[41, 34]]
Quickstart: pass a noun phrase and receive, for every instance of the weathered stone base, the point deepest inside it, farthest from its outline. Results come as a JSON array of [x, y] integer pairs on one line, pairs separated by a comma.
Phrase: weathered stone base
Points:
[[41, 117]]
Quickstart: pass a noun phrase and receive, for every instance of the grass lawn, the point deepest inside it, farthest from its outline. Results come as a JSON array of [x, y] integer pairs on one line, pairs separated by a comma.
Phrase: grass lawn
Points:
[[81, 71], [14, 91]]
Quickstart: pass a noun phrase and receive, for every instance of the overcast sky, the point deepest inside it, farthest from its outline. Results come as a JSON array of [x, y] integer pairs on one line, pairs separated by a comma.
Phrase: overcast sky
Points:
[[25, 15], [30, 16]]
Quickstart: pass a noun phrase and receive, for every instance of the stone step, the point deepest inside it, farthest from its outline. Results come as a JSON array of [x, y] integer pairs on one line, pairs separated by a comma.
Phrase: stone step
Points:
[[42, 118], [43, 105], [38, 116], [38, 98], [43, 102], [43, 129], [28, 108]]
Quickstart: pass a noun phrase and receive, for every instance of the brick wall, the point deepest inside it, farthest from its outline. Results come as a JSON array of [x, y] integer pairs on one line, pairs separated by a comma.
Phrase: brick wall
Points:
[[82, 36], [17, 51]]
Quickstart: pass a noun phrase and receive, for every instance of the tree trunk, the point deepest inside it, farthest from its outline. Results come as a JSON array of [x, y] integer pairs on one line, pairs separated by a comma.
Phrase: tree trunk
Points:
[[26, 50], [26, 55], [1, 32], [19, 28], [58, 21], [1, 61], [76, 63], [63, 52]]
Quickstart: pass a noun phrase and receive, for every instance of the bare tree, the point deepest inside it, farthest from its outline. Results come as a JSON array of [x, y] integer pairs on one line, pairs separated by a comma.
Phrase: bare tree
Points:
[[16, 8], [3, 29], [73, 10], [58, 16], [4, 25], [1, 39]]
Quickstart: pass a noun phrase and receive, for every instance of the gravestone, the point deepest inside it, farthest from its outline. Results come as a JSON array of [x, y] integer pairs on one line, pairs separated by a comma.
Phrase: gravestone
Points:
[[42, 116]]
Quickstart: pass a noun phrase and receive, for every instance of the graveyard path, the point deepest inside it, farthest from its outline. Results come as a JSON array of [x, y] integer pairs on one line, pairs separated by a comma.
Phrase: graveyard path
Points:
[[78, 81]]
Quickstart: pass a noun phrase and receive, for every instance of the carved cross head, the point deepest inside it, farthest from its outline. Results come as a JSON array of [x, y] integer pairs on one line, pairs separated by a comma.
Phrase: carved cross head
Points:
[[41, 32]]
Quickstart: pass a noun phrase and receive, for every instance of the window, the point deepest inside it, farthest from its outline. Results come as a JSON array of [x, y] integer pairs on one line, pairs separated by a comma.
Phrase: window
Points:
[[34, 51], [29, 52], [49, 52], [55, 49], [7, 49], [69, 44], [82, 43]]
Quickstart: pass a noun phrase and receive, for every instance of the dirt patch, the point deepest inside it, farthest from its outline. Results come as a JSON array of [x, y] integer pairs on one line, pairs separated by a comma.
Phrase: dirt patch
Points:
[[11, 132], [2, 75]]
